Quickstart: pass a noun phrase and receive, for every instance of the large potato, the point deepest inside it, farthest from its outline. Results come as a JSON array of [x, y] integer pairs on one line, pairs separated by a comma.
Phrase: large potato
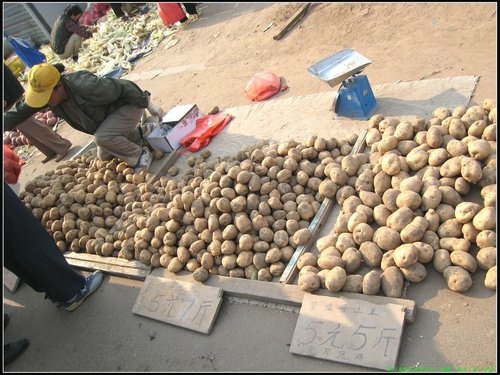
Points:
[[457, 279], [392, 282], [471, 169], [414, 273], [353, 284], [487, 257], [372, 282], [405, 255], [387, 238], [464, 260], [409, 199], [414, 231], [400, 218], [335, 279], [485, 219], [441, 260], [309, 282], [465, 211]]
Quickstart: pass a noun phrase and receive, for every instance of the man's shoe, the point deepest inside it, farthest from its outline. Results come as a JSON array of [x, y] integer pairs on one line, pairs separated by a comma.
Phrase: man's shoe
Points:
[[12, 350], [48, 158], [75, 58], [91, 284], [145, 160]]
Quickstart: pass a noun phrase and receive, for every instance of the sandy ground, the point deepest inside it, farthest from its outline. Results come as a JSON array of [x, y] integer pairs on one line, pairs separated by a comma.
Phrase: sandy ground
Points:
[[210, 65]]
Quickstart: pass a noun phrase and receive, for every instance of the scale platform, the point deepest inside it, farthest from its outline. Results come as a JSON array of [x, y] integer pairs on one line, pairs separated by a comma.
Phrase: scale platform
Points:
[[355, 97]]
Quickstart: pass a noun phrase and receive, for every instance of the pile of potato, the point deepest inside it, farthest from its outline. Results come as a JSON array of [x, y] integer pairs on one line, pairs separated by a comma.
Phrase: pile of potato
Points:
[[244, 216], [405, 207]]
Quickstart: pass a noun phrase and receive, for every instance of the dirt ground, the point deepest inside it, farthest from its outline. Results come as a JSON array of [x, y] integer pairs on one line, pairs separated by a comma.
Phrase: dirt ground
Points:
[[211, 64]]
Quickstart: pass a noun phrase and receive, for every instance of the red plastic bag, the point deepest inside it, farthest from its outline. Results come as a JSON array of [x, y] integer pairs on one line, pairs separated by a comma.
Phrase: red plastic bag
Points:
[[207, 127], [11, 166], [263, 85]]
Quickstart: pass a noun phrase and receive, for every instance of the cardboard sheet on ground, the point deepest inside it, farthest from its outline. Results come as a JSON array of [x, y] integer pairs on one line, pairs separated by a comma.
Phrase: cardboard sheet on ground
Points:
[[302, 116]]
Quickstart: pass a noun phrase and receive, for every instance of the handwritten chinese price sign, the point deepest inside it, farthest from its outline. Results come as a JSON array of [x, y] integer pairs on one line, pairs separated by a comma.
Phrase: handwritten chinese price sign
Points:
[[192, 306], [349, 331]]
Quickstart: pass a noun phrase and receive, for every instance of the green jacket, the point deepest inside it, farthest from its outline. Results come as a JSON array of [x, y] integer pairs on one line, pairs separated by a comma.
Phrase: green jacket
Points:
[[96, 97], [60, 36]]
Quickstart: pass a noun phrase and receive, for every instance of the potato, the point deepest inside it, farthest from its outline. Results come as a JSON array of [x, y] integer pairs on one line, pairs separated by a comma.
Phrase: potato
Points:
[[371, 253], [329, 261], [465, 211], [400, 218], [450, 228], [471, 169], [389, 198], [353, 284], [409, 199], [464, 260], [487, 257], [486, 238], [307, 259], [392, 282], [302, 236], [335, 279], [425, 251], [449, 196], [386, 238], [453, 243], [415, 273], [417, 159], [441, 260], [431, 198], [405, 255], [415, 230], [201, 275], [362, 232], [451, 167], [490, 280], [485, 219], [489, 195], [457, 279], [328, 189], [309, 282]]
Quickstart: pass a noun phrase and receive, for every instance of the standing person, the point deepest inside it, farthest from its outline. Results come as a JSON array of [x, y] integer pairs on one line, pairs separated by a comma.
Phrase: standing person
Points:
[[110, 109], [67, 34], [31, 253], [190, 10], [50, 143]]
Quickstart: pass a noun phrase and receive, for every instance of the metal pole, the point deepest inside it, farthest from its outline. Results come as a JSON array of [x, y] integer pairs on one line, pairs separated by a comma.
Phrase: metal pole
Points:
[[38, 19]]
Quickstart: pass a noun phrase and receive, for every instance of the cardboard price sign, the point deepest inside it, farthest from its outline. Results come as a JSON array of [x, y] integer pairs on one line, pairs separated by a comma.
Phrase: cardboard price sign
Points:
[[349, 331]]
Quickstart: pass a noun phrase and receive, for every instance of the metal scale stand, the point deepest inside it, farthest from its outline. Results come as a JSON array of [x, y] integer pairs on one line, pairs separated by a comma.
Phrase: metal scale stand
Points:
[[355, 97]]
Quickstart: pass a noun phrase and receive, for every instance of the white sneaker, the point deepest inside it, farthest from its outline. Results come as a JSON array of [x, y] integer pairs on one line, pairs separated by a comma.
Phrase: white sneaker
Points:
[[145, 160]]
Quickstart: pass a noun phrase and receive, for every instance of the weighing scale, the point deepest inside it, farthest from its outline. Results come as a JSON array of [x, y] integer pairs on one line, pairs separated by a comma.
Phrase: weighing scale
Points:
[[355, 97]]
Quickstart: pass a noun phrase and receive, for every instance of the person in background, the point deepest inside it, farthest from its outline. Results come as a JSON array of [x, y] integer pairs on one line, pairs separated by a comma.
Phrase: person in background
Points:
[[108, 108], [67, 34], [50, 143], [191, 10]]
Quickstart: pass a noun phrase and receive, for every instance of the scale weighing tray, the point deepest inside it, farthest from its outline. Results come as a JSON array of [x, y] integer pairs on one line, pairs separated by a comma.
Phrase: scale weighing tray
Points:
[[339, 66]]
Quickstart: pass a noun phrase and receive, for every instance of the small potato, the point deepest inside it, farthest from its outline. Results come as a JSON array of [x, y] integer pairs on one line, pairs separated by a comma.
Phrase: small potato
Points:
[[386, 238], [453, 243], [352, 258], [201, 275], [425, 252], [441, 260], [490, 280], [465, 211], [307, 259], [486, 238], [415, 230], [457, 279], [371, 254], [409, 199], [392, 282], [464, 260]]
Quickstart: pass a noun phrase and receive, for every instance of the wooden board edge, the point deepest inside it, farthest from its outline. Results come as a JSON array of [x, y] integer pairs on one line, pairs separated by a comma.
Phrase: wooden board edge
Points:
[[107, 260], [110, 269], [281, 293]]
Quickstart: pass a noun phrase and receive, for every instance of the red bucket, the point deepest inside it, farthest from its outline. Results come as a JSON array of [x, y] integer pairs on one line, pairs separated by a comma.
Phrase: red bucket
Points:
[[170, 13]]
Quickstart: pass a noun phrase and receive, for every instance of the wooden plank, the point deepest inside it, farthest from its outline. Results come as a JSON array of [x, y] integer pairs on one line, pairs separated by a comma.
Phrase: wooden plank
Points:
[[324, 210], [107, 260], [188, 305], [10, 280], [319, 219], [168, 162], [353, 331], [115, 266], [293, 20], [281, 293]]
